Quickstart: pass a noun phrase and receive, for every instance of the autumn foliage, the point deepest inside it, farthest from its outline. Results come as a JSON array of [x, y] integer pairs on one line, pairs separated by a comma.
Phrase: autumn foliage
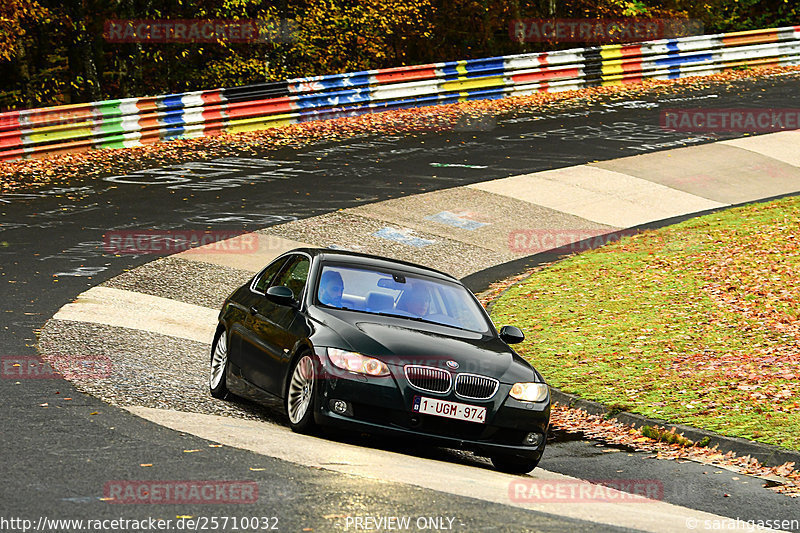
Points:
[[53, 52]]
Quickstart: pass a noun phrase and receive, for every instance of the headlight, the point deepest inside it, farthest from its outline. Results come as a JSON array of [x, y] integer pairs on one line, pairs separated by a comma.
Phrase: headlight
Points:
[[529, 392], [355, 362]]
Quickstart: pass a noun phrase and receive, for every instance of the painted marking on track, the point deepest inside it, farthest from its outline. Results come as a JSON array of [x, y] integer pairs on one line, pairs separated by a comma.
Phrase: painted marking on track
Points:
[[82, 272], [82, 499], [57, 192], [240, 218], [403, 236], [460, 219], [352, 248], [457, 165]]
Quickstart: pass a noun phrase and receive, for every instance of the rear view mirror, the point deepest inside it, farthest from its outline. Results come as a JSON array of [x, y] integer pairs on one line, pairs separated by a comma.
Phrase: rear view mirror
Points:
[[281, 295], [511, 335], [393, 284]]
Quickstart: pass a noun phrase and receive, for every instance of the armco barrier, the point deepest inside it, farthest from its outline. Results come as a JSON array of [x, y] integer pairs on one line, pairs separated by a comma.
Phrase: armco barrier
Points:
[[137, 121]]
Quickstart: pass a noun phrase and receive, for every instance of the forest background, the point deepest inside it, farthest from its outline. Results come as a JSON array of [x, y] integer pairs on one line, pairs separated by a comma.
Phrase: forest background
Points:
[[55, 52]]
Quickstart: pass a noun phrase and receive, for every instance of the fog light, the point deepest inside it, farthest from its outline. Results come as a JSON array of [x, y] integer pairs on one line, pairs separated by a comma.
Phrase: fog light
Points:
[[533, 439], [339, 406]]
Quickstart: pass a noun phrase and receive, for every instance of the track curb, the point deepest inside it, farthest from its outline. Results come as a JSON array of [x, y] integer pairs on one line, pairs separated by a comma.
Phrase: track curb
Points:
[[766, 454]]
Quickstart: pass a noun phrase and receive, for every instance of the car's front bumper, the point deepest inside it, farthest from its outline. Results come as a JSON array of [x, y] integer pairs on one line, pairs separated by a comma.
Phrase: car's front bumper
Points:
[[383, 406]]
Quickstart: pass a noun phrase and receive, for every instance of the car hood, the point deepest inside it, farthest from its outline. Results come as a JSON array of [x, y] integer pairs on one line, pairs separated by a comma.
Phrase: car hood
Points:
[[399, 342]]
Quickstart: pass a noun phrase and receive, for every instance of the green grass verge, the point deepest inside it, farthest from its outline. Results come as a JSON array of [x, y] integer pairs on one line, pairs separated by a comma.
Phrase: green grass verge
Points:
[[696, 323]]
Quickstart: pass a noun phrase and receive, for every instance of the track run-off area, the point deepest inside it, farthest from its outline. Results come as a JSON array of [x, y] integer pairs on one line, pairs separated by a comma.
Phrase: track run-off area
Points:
[[462, 202]]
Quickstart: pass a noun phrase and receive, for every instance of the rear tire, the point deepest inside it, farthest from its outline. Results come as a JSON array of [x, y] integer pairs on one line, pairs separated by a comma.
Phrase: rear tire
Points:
[[217, 381], [301, 394]]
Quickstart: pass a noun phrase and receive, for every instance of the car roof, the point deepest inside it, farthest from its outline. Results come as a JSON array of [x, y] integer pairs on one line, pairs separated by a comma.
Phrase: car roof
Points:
[[358, 258]]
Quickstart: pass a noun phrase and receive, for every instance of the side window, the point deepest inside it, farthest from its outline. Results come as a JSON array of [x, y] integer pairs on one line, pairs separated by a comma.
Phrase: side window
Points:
[[294, 274], [267, 275]]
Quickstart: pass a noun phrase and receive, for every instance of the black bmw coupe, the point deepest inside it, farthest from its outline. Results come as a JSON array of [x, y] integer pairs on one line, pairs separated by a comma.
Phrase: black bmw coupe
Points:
[[380, 346]]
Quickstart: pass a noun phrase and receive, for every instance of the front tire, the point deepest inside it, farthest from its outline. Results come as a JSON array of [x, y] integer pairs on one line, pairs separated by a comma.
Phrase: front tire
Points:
[[301, 394], [514, 465], [217, 381]]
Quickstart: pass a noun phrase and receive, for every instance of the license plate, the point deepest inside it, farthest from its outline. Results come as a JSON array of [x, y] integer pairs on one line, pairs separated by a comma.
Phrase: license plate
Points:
[[458, 411]]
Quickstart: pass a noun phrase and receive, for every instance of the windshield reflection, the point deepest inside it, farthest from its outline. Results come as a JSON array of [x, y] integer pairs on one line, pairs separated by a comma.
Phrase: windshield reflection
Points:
[[400, 295]]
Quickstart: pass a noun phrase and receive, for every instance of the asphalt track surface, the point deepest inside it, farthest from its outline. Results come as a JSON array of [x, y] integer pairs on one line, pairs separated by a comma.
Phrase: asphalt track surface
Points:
[[58, 454]]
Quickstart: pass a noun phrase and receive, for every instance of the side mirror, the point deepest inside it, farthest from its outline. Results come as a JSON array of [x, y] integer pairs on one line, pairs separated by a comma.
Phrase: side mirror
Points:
[[511, 335], [281, 295]]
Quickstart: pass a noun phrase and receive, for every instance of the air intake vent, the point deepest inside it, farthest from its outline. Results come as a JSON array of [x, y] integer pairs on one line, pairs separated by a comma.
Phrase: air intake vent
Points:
[[428, 379], [476, 387]]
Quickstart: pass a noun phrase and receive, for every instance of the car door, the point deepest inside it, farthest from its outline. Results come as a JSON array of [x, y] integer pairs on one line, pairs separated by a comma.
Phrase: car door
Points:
[[240, 351], [271, 337]]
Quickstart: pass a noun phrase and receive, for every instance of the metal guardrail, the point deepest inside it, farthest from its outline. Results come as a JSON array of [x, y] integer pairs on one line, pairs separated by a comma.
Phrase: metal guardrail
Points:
[[138, 121]]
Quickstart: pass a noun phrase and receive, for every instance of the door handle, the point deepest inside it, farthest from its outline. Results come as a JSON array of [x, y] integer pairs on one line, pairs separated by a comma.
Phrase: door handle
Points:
[[253, 310]]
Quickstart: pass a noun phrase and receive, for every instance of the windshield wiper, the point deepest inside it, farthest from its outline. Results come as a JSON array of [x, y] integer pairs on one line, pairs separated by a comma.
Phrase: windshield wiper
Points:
[[420, 319], [381, 313]]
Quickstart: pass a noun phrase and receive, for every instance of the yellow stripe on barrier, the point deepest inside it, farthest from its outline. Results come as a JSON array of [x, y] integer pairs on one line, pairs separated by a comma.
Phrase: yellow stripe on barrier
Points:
[[620, 77], [612, 67], [611, 51], [60, 133], [39, 152], [461, 68], [261, 123], [472, 83]]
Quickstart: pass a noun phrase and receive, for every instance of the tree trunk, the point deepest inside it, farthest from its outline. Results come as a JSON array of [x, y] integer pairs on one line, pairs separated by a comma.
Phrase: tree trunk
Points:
[[23, 64], [81, 55], [89, 67]]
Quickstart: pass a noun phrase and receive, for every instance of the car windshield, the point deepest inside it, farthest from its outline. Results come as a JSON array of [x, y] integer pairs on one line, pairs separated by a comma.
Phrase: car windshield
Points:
[[400, 294]]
